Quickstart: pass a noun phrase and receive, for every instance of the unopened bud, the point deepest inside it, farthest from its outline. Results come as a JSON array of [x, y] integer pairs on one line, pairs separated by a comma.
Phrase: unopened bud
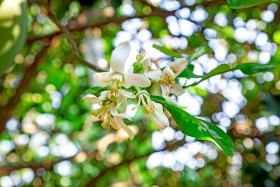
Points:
[[96, 112], [138, 68], [115, 86], [113, 98], [146, 110], [105, 124], [140, 57]]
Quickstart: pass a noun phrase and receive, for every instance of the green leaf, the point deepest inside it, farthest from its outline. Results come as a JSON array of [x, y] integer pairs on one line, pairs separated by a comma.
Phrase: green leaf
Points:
[[198, 128], [167, 51], [218, 70], [197, 90], [252, 68], [96, 90], [13, 29], [246, 68], [238, 4], [188, 72], [198, 52]]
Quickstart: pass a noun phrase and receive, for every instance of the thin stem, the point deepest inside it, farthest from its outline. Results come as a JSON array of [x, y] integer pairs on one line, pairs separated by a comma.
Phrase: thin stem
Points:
[[137, 89], [70, 39]]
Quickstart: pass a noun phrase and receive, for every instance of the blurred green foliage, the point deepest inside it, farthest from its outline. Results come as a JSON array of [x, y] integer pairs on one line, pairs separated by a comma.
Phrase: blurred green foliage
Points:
[[50, 138]]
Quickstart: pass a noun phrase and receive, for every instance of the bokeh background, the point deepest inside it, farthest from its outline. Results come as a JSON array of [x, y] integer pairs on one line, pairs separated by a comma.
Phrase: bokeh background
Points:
[[48, 137]]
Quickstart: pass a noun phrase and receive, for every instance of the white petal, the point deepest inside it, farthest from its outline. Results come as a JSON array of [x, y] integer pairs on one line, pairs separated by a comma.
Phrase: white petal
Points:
[[101, 79], [122, 115], [90, 98], [119, 56], [158, 117], [177, 90], [115, 113], [147, 64], [121, 124], [165, 90], [127, 94], [154, 74], [170, 100], [178, 66], [155, 89], [124, 106], [169, 71], [131, 79]]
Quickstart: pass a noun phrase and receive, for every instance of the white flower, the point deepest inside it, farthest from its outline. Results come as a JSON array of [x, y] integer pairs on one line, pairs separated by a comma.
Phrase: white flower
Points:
[[111, 118], [149, 72], [118, 76], [166, 78], [117, 122], [157, 116], [153, 111], [91, 98]]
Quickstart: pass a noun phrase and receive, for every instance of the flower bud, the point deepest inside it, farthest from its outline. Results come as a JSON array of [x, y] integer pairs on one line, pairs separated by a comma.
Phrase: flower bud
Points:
[[138, 68], [114, 86], [105, 124], [146, 110], [140, 57], [158, 117], [97, 111]]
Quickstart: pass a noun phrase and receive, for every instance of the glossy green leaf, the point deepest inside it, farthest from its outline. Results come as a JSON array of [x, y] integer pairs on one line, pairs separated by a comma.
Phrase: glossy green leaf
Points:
[[238, 4], [198, 53], [167, 51], [197, 91], [198, 128], [252, 68], [188, 72], [246, 68], [218, 70], [13, 29]]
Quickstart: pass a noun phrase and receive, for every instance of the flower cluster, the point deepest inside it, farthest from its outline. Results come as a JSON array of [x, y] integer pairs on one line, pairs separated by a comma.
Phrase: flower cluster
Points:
[[132, 84]]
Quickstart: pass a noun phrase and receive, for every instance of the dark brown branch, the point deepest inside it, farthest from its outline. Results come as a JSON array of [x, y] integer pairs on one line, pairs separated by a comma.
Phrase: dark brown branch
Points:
[[67, 33], [155, 12], [6, 111], [94, 180], [98, 24], [171, 146], [47, 164]]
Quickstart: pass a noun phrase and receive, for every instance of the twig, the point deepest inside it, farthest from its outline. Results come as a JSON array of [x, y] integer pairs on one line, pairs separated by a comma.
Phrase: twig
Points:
[[156, 12], [67, 33], [27, 77]]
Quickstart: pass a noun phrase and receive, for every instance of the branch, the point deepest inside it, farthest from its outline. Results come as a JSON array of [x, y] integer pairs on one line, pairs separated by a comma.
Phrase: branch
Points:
[[94, 180], [47, 164], [26, 79], [67, 33], [155, 12], [172, 146]]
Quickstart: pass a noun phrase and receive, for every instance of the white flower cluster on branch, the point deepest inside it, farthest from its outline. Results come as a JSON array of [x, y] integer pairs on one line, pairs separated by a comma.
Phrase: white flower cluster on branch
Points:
[[133, 84]]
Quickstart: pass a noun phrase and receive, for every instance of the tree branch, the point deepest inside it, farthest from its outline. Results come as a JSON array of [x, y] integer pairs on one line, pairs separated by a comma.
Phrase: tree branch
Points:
[[172, 146], [47, 164], [26, 79], [155, 12], [94, 180], [67, 33]]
